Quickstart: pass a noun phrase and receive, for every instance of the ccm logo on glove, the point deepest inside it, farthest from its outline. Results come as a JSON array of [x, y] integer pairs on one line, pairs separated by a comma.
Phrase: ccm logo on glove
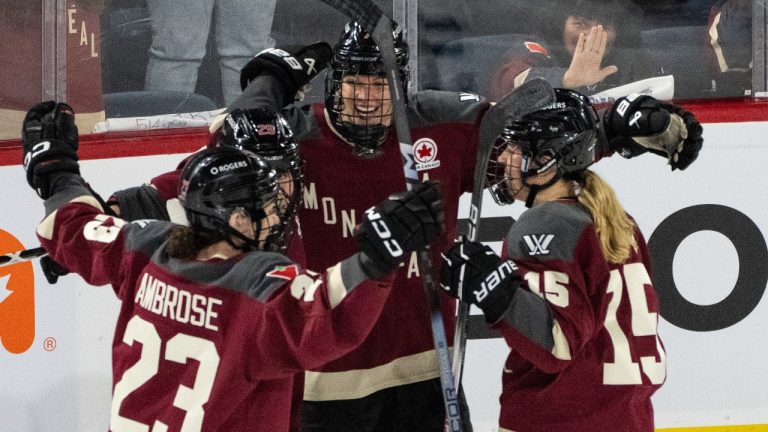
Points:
[[384, 233], [37, 150]]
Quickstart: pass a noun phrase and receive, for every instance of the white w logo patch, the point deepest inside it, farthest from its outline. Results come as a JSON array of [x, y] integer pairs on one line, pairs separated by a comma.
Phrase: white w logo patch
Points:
[[538, 244]]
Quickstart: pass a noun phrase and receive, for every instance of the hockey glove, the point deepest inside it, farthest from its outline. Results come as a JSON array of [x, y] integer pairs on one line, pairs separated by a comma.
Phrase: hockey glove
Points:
[[402, 223], [639, 123], [49, 140], [294, 66], [52, 270], [472, 273]]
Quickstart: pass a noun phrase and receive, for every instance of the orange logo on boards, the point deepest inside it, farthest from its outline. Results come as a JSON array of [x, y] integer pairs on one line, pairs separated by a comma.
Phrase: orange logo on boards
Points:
[[17, 299]]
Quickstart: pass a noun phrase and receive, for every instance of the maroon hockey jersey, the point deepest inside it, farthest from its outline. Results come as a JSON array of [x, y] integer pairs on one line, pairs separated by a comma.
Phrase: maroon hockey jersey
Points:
[[205, 346], [339, 187], [607, 358], [159, 201]]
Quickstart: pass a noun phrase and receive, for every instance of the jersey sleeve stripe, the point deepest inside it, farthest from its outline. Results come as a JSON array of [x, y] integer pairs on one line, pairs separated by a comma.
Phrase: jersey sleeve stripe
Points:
[[336, 289], [45, 229]]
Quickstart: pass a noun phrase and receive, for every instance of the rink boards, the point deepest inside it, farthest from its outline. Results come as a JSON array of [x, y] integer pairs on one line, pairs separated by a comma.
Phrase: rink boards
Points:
[[707, 228]]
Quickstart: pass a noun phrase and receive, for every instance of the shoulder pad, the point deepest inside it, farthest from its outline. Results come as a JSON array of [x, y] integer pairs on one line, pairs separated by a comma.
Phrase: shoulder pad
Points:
[[266, 273], [142, 202], [433, 106], [549, 231], [146, 236]]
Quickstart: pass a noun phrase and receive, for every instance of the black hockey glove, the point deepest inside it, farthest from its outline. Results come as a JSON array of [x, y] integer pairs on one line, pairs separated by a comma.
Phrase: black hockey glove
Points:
[[294, 66], [474, 274], [402, 223], [52, 270], [49, 140], [638, 123]]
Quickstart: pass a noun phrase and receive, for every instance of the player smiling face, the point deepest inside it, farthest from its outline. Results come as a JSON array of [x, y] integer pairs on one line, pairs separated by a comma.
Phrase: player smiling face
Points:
[[365, 100]]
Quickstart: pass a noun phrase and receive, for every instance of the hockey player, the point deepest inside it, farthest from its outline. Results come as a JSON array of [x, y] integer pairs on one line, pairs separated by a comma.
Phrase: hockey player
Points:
[[210, 319], [264, 132], [575, 304], [391, 381]]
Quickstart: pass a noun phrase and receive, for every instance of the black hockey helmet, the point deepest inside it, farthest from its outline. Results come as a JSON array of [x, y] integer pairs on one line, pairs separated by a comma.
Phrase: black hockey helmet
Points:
[[356, 53], [564, 135], [265, 132], [216, 182]]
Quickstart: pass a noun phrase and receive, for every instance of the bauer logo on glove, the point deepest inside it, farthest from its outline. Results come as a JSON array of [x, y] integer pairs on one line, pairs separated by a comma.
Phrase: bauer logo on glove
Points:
[[639, 123], [493, 279]]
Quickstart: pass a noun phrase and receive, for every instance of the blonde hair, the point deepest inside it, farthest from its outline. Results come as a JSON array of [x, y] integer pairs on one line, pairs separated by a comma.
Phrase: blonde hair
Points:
[[615, 229]]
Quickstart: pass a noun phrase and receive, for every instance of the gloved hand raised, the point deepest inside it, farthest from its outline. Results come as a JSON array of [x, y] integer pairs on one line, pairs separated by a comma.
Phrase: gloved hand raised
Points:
[[474, 274], [639, 123], [49, 140], [294, 66], [402, 223]]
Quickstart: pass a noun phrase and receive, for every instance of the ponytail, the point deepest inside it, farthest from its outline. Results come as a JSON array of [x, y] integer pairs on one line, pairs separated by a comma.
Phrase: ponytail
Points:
[[184, 242], [615, 229]]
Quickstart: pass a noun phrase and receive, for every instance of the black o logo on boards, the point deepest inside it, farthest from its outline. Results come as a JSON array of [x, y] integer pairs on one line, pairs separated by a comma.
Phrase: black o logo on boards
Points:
[[752, 253]]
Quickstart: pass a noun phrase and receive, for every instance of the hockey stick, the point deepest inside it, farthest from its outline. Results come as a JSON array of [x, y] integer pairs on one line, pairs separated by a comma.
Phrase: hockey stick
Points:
[[21, 256], [531, 96], [370, 16]]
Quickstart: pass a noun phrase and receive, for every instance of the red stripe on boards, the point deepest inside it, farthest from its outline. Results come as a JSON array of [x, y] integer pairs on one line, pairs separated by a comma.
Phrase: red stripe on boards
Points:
[[187, 140], [123, 144]]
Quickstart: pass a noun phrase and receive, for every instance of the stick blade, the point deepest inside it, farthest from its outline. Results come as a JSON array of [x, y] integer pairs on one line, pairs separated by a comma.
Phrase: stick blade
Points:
[[531, 96]]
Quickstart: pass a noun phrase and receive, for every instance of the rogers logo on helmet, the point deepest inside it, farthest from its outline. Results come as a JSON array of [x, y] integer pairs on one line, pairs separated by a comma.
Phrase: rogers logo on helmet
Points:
[[228, 167], [555, 105]]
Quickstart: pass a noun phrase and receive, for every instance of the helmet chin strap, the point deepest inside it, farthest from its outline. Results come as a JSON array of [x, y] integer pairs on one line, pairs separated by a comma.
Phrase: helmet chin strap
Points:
[[248, 244], [534, 189]]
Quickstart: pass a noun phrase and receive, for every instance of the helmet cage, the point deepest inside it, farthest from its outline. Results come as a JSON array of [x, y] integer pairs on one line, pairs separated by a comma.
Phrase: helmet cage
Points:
[[266, 133], [357, 54], [564, 136]]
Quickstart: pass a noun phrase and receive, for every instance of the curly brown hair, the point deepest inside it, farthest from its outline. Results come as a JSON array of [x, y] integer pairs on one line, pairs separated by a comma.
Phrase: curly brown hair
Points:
[[185, 242]]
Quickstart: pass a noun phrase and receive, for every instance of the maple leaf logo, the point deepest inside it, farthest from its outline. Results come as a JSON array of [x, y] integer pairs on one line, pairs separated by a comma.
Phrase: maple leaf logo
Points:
[[424, 151]]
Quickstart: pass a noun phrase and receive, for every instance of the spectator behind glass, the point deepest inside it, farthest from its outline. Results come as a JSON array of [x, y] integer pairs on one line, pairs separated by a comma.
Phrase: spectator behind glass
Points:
[[586, 65], [180, 33], [730, 39]]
